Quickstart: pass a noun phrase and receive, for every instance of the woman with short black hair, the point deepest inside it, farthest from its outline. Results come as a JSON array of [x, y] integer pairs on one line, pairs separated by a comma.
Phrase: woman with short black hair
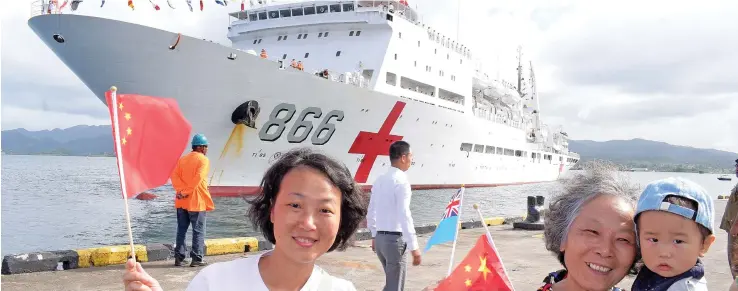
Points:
[[309, 204]]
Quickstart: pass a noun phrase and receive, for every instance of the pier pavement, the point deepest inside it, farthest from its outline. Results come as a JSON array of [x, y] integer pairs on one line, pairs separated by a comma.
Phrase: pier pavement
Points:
[[523, 254]]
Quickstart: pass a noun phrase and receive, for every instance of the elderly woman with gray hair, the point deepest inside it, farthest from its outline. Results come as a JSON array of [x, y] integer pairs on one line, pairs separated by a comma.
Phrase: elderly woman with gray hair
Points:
[[590, 229]]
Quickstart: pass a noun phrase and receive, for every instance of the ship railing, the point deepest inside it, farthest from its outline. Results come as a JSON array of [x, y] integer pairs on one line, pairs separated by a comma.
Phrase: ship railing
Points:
[[38, 7]]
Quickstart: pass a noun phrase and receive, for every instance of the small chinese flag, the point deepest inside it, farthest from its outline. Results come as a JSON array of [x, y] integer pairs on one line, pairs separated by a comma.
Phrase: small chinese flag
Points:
[[480, 270], [130, 4], [153, 135]]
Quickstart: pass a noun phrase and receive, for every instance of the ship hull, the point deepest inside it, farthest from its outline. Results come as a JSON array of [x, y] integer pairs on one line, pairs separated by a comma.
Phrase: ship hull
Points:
[[288, 109]]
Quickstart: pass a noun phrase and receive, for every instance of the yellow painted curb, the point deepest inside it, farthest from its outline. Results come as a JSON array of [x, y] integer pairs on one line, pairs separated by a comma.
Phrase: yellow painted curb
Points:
[[494, 221], [221, 246], [110, 255]]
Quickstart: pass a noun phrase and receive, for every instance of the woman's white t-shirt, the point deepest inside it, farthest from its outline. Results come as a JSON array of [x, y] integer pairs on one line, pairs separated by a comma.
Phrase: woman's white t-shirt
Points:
[[243, 274]]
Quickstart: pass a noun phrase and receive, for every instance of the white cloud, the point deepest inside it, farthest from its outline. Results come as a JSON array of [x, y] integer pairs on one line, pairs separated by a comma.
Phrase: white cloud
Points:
[[659, 70]]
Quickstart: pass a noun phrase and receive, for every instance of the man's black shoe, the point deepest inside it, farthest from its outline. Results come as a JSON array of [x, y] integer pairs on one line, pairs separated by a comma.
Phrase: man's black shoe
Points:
[[178, 262], [198, 263]]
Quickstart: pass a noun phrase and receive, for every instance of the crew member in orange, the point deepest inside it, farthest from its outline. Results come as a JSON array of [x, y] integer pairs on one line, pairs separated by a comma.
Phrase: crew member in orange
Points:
[[192, 200], [293, 64], [263, 54], [299, 66]]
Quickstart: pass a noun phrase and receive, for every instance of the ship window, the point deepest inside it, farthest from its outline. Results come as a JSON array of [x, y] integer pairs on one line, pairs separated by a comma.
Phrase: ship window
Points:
[[320, 34], [304, 36], [285, 13], [299, 36], [436, 51], [460, 60], [252, 17], [336, 8], [351, 33], [399, 34], [284, 38], [338, 53], [322, 9], [499, 151], [255, 41], [306, 55], [309, 10], [489, 150], [479, 148], [297, 12], [447, 56], [259, 41], [466, 147], [358, 33], [348, 7], [273, 14], [262, 15], [284, 56], [326, 34], [415, 63], [395, 57], [279, 38]]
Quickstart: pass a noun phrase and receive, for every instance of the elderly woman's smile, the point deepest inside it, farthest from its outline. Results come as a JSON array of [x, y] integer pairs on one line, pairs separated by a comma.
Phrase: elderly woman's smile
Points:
[[600, 247]]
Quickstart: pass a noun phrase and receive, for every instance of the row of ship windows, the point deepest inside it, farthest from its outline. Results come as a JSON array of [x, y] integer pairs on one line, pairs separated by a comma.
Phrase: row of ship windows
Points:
[[429, 69], [284, 56], [480, 148], [435, 51], [310, 10], [305, 35]]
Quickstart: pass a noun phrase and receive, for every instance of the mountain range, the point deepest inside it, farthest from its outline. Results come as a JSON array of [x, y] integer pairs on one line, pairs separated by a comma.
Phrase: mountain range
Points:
[[86, 140]]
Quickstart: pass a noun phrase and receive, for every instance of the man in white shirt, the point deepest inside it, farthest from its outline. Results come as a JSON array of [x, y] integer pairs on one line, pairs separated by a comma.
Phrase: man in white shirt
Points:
[[389, 218]]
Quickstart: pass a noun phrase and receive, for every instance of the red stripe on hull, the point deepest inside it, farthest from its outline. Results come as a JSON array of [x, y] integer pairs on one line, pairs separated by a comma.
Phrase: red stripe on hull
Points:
[[235, 191]]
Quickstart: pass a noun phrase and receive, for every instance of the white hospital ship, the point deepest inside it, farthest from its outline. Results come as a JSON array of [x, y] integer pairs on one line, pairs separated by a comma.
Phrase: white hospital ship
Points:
[[372, 74]]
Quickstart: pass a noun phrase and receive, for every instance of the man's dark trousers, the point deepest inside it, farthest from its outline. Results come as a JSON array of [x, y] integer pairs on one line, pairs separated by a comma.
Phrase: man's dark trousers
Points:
[[184, 219]]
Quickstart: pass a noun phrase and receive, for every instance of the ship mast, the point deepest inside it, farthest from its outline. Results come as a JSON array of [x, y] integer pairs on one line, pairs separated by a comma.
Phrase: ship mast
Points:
[[520, 71], [534, 96]]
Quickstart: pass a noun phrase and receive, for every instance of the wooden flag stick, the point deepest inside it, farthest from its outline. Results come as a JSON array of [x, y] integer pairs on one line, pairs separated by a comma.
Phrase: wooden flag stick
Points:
[[116, 128]]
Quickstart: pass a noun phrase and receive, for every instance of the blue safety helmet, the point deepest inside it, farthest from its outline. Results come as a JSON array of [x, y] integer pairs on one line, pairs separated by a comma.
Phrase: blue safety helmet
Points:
[[199, 140]]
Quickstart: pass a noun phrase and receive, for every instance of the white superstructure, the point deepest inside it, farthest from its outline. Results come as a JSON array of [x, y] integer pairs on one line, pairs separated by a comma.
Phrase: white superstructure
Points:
[[390, 77]]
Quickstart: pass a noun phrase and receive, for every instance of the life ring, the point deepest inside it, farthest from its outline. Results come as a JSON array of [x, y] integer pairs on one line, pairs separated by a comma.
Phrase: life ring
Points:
[[246, 113]]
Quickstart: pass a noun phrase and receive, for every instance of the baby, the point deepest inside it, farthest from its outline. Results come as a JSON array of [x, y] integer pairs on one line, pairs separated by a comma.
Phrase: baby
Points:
[[674, 221]]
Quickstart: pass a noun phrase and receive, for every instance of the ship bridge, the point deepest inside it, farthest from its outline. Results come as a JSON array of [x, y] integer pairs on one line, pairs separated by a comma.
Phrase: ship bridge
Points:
[[382, 41]]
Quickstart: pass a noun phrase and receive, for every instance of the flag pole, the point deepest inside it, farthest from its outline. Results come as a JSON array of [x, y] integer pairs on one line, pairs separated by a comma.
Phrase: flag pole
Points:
[[456, 236], [116, 128], [491, 241]]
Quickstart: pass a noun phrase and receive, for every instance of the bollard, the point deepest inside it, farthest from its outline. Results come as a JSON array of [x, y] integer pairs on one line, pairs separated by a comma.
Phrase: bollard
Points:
[[533, 219]]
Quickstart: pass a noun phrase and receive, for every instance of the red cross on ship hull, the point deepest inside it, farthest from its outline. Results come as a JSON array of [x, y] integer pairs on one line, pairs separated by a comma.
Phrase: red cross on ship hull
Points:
[[373, 144]]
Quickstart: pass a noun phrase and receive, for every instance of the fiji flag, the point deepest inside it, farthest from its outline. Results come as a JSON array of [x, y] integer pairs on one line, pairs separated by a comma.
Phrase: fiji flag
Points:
[[449, 225]]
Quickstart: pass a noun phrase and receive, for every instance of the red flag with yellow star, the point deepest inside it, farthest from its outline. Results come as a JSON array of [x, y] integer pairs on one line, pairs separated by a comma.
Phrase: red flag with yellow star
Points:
[[153, 135], [480, 270]]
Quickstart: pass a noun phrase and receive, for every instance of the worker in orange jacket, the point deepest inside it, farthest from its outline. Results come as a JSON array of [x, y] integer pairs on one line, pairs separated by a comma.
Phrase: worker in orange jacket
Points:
[[192, 200]]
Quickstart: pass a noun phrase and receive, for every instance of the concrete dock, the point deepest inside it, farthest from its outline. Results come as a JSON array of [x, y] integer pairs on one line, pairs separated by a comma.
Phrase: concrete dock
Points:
[[523, 254]]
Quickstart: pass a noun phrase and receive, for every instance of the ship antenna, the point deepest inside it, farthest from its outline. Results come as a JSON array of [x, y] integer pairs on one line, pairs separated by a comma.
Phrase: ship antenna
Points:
[[520, 70]]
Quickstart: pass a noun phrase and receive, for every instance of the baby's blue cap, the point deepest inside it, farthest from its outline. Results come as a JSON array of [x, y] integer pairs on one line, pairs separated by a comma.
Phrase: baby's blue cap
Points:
[[654, 196]]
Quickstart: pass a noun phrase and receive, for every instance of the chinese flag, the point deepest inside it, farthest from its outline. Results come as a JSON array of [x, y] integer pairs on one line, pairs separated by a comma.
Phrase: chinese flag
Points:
[[153, 135], [480, 270]]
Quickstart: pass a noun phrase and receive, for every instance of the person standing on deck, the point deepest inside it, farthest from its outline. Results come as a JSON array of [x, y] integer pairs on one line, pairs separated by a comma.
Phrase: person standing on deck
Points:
[[192, 200], [389, 218]]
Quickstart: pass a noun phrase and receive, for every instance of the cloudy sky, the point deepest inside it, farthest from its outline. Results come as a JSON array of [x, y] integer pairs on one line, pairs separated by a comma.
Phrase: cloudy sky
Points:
[[657, 70]]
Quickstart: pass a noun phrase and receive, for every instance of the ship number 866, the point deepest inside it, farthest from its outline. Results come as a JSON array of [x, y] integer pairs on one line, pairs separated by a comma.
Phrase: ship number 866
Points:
[[322, 133]]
